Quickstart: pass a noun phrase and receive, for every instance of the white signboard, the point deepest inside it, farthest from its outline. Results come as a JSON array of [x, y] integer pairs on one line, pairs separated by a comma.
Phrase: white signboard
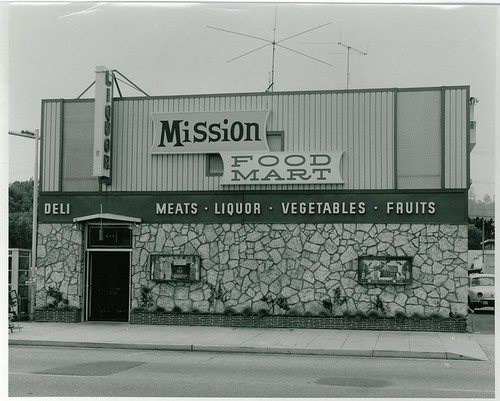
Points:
[[209, 132], [250, 168]]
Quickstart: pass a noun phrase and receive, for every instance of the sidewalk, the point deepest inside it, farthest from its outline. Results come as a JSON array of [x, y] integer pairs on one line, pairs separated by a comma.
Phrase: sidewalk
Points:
[[399, 344]]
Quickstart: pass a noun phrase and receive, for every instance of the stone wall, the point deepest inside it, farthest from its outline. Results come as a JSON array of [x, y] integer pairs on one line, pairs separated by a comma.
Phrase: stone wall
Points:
[[59, 262], [304, 263]]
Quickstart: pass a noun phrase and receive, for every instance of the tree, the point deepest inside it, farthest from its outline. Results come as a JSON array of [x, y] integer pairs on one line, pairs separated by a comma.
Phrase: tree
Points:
[[480, 210], [475, 237], [20, 214]]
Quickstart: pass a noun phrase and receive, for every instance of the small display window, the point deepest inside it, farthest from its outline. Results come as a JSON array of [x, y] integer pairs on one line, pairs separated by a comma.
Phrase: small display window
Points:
[[385, 270], [174, 267]]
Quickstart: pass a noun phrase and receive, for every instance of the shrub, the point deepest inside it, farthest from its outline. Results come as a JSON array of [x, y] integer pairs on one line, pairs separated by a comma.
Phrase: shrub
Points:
[[379, 304], [348, 314], [195, 311], [295, 312], [328, 304], [58, 301], [308, 313], [417, 316], [324, 313], [337, 301], [176, 309], [146, 298], [270, 301], [217, 293], [263, 312], [68, 307], [400, 315], [229, 311], [436, 316], [160, 309], [282, 303], [359, 314], [459, 316], [374, 314], [248, 311]]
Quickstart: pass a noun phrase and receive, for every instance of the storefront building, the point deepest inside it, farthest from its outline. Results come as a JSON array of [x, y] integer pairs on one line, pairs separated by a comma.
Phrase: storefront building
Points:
[[241, 196]]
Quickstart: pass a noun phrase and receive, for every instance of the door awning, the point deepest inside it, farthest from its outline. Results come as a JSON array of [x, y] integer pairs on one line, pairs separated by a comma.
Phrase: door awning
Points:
[[107, 216]]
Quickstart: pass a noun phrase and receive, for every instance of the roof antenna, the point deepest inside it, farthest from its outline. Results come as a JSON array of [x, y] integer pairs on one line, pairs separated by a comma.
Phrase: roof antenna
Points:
[[274, 43], [349, 48]]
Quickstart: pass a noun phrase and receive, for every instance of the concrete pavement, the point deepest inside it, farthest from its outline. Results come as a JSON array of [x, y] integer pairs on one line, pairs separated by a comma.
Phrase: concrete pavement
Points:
[[364, 343]]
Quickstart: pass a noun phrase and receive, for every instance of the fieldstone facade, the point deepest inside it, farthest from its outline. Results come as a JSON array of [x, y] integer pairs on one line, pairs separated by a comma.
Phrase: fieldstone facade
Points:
[[303, 263], [60, 262]]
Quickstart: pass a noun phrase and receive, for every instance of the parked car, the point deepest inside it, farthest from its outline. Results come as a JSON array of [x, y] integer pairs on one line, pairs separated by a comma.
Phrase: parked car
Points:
[[481, 290]]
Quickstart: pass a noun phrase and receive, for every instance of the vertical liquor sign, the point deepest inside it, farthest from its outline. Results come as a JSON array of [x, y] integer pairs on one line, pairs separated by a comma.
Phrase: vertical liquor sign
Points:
[[103, 123]]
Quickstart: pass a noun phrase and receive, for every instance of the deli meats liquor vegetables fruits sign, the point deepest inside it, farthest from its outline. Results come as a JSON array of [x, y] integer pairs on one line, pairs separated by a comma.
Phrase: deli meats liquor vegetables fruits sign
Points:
[[304, 206]]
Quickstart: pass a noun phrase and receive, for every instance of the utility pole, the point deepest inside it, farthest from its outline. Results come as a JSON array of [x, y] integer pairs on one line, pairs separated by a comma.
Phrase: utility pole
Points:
[[32, 282]]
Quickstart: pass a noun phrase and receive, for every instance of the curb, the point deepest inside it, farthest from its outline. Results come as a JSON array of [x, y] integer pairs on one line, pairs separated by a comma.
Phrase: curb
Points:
[[248, 350]]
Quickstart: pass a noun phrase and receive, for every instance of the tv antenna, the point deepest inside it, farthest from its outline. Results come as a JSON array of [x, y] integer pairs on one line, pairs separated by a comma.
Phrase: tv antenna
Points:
[[349, 49], [274, 43]]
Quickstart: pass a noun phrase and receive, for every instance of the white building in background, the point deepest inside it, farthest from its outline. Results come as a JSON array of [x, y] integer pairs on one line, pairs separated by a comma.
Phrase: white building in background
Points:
[[484, 260]]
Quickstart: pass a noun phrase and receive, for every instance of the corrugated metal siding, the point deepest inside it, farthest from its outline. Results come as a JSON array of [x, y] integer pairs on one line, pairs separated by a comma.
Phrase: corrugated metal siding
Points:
[[78, 147], [419, 139], [51, 145], [361, 123], [455, 135]]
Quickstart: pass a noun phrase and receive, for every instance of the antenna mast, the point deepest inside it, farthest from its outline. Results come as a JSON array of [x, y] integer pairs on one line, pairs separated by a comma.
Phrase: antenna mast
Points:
[[270, 87], [349, 48], [272, 43]]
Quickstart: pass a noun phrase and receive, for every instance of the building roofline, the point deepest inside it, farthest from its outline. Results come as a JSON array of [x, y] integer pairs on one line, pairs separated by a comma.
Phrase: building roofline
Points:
[[304, 92]]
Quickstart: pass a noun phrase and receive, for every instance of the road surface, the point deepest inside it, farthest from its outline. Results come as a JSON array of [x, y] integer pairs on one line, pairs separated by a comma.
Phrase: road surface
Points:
[[67, 372]]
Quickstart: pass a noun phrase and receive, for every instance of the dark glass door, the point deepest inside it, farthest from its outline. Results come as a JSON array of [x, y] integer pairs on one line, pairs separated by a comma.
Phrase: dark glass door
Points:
[[109, 274]]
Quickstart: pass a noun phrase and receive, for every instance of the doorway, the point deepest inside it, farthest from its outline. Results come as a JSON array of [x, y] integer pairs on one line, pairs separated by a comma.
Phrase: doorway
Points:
[[108, 280]]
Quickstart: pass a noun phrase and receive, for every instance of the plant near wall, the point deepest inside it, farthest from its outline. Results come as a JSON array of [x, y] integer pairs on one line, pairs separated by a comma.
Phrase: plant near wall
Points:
[[378, 304], [279, 301], [177, 309], [217, 293], [282, 303], [270, 301], [248, 311], [229, 311], [263, 312], [146, 298], [331, 304], [328, 305], [58, 300]]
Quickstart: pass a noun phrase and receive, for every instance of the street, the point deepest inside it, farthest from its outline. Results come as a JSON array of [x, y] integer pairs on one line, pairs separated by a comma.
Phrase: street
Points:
[[71, 372], [482, 321]]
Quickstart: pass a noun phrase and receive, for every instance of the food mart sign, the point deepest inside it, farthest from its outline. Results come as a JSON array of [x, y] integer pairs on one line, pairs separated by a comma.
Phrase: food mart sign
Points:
[[245, 168]]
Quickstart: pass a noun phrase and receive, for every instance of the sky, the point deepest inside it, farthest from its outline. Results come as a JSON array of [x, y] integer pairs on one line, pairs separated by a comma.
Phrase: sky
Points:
[[168, 49]]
